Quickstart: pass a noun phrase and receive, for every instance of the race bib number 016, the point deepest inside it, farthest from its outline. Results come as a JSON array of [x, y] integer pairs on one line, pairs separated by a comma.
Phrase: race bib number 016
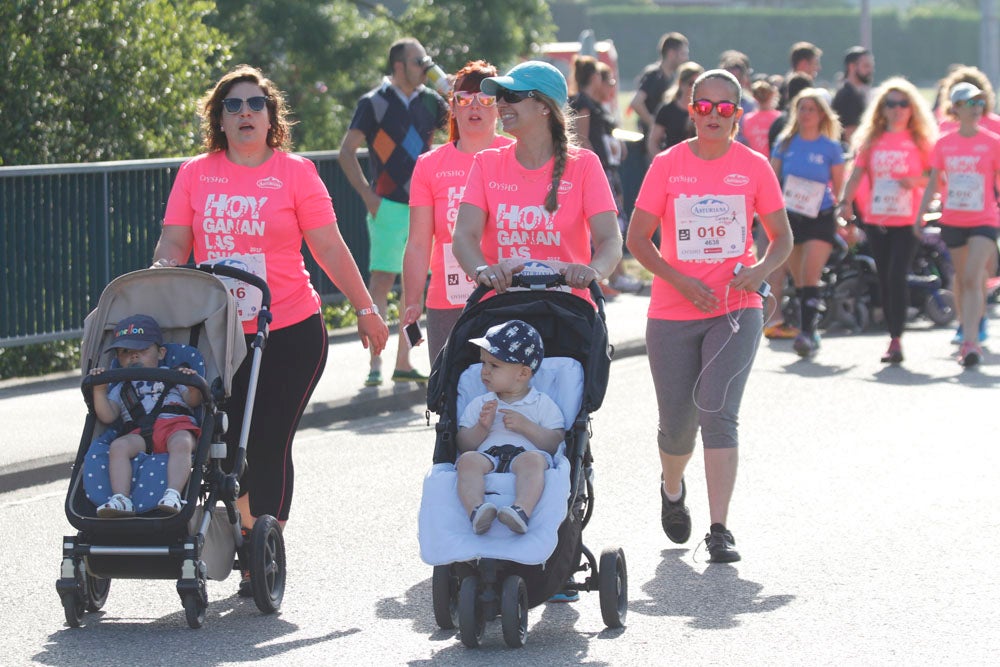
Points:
[[248, 298], [965, 192], [710, 227]]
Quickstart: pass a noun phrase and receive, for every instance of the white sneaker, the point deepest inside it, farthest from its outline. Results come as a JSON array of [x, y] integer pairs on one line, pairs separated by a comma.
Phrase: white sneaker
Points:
[[171, 502], [118, 505]]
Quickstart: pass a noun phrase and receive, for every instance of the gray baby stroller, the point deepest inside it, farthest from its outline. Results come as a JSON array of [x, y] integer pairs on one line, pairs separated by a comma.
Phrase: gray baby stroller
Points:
[[201, 328]]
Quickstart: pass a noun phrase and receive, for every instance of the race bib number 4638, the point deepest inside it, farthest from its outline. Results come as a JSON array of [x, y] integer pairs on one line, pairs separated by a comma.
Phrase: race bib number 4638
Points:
[[710, 227]]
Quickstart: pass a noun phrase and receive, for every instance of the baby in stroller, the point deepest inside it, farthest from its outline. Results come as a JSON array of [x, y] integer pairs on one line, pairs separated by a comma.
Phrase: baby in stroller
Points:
[[503, 571], [523, 440], [159, 415]]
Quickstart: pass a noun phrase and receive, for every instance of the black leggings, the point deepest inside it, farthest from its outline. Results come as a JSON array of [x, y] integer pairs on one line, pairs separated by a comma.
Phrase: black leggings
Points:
[[893, 249], [291, 366]]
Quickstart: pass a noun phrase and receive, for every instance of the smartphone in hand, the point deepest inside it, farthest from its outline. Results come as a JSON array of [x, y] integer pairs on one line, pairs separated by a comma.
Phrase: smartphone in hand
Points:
[[413, 334]]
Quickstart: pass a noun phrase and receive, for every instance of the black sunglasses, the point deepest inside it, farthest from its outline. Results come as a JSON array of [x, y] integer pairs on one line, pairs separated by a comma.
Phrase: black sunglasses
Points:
[[513, 96], [235, 104], [892, 104]]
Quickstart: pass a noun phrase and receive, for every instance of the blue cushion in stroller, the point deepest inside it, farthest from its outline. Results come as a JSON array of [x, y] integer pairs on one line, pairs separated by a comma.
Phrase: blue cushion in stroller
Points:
[[445, 533], [149, 471]]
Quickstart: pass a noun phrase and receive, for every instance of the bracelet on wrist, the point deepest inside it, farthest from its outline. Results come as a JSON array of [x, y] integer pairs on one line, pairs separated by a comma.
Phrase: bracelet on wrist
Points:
[[370, 310]]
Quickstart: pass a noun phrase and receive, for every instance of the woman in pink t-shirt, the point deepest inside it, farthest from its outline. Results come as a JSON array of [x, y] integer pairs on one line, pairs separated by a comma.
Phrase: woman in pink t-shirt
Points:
[[892, 148], [967, 162], [435, 192], [540, 199], [247, 201], [705, 317]]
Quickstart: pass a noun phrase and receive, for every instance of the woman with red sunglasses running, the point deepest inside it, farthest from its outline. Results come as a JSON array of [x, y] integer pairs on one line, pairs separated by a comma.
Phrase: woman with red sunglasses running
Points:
[[705, 318]]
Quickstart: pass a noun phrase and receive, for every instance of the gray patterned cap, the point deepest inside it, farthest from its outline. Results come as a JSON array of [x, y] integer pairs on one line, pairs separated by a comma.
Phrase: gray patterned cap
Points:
[[515, 342]]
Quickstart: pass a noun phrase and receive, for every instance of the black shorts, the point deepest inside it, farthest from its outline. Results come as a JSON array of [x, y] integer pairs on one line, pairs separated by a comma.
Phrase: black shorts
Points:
[[821, 228], [956, 237]]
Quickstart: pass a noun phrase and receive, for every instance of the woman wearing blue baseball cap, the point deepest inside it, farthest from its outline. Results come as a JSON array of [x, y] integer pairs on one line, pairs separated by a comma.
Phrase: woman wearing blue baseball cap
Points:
[[539, 199]]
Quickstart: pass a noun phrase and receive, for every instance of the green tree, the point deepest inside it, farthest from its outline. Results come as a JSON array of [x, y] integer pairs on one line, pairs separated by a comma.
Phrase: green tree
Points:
[[103, 79], [325, 54]]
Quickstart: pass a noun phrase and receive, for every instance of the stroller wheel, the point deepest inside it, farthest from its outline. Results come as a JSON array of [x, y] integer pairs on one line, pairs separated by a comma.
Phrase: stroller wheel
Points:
[[444, 595], [940, 307], [612, 585], [267, 564], [74, 607], [97, 591], [194, 610], [471, 620], [514, 611]]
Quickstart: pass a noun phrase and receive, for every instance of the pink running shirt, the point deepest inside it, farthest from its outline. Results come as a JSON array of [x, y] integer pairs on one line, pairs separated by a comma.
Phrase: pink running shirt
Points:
[[255, 216], [517, 225], [439, 181], [968, 167], [893, 156], [756, 125], [718, 198]]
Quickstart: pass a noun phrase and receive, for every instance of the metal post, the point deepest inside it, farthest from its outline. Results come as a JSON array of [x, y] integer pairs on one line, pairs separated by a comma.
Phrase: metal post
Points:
[[866, 24], [989, 41]]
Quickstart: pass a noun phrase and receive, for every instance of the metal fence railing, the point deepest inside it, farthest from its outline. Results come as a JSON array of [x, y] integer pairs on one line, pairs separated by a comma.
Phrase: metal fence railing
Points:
[[67, 230]]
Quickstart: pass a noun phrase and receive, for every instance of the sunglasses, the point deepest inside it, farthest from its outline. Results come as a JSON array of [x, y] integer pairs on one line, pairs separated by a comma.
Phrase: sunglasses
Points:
[[464, 98], [892, 104], [513, 96], [972, 103], [235, 104], [704, 107]]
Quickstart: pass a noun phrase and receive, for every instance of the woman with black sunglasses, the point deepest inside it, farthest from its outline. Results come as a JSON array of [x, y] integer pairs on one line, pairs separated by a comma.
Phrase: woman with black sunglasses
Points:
[[705, 319], [248, 201], [540, 199], [892, 150], [435, 192]]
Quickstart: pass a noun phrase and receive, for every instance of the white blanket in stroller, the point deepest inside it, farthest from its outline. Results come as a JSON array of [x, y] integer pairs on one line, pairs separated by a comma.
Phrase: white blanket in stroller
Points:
[[445, 532]]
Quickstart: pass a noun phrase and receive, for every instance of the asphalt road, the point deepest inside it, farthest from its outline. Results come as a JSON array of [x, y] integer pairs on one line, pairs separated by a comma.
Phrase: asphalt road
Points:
[[865, 512]]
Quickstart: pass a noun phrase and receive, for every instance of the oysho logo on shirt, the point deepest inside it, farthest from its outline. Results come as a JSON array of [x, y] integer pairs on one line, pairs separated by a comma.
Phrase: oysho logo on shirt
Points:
[[213, 179], [271, 183], [449, 173], [736, 180], [683, 179], [503, 187]]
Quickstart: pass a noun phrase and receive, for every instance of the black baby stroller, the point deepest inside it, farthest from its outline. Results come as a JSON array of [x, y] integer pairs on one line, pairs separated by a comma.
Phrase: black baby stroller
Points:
[[478, 577], [200, 326]]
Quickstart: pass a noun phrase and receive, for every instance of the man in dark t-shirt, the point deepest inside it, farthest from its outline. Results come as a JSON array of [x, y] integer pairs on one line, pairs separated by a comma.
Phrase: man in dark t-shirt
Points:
[[852, 96], [657, 78]]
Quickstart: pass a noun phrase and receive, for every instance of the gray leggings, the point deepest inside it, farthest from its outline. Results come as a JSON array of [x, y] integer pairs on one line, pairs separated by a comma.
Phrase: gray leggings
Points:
[[683, 353], [440, 322]]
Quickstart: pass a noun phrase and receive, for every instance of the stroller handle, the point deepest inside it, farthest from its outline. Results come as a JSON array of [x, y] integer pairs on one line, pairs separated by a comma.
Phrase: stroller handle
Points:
[[238, 274], [166, 375], [541, 281]]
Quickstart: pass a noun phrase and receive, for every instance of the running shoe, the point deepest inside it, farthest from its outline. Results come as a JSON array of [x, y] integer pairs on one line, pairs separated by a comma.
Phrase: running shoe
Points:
[[674, 516], [970, 355], [721, 545], [894, 355], [781, 331], [806, 344]]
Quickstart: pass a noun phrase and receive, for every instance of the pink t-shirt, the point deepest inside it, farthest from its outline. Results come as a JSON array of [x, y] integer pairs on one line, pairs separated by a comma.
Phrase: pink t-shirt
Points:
[[756, 125], [893, 156], [439, 180], [989, 121], [253, 218], [969, 169], [706, 210], [517, 225]]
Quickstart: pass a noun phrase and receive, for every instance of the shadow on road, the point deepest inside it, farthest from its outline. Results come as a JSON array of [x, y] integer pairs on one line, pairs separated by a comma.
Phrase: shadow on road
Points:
[[711, 600], [234, 632]]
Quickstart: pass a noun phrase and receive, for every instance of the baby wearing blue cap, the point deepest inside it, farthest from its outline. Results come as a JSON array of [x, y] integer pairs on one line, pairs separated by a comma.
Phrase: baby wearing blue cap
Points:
[[511, 428]]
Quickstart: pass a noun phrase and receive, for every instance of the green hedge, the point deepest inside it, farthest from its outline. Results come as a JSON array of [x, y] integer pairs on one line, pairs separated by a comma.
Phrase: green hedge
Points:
[[919, 45]]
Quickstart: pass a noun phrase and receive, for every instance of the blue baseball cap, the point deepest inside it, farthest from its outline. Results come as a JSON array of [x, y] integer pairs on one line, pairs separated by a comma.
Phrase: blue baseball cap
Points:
[[530, 75], [515, 342], [136, 332]]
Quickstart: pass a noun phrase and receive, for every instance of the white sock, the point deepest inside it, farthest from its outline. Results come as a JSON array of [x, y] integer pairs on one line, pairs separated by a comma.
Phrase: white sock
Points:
[[672, 497]]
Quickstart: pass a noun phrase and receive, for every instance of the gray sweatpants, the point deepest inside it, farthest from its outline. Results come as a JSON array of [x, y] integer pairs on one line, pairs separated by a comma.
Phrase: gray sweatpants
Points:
[[700, 368]]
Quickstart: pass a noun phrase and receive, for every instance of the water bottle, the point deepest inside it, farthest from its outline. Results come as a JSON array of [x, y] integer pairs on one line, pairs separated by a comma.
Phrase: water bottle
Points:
[[436, 77]]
